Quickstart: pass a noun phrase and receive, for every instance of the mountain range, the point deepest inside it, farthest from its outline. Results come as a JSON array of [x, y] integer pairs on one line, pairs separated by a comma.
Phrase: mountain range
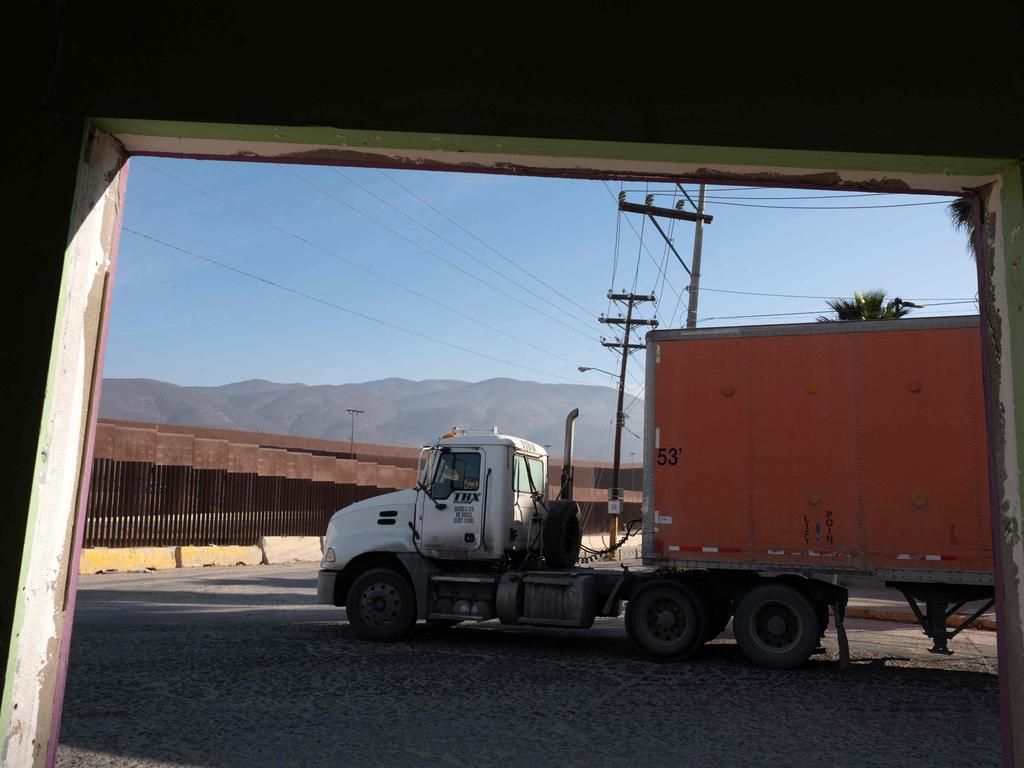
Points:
[[396, 411]]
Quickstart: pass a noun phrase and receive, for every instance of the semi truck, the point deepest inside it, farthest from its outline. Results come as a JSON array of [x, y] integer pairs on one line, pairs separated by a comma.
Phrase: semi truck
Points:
[[781, 464]]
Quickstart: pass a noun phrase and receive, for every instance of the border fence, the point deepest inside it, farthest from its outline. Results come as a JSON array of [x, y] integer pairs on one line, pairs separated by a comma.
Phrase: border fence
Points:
[[135, 503], [171, 488]]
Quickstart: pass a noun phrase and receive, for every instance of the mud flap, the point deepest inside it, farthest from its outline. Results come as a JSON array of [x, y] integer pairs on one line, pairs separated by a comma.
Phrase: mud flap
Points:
[[838, 614]]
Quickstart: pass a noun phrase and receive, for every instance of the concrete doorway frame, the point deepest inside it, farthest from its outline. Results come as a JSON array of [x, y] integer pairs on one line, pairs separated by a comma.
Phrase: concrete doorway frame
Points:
[[36, 665]]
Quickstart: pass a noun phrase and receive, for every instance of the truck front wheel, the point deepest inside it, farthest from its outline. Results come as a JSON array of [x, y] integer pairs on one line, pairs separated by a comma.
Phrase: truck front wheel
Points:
[[666, 620], [381, 605], [776, 626]]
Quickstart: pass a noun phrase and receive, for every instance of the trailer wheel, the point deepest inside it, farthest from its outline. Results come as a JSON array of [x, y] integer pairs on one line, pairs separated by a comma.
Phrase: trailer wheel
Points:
[[381, 605], [666, 620], [562, 536], [776, 626], [719, 613]]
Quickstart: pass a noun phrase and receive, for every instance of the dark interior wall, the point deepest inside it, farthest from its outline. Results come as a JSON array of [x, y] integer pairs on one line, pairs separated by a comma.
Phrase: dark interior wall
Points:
[[861, 81]]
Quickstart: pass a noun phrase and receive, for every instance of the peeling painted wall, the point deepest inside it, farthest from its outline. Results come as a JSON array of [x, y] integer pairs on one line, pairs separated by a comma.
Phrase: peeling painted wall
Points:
[[34, 658]]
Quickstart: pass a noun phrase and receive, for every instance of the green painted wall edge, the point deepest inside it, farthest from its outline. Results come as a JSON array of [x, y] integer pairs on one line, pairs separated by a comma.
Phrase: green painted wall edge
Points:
[[1012, 203], [505, 145]]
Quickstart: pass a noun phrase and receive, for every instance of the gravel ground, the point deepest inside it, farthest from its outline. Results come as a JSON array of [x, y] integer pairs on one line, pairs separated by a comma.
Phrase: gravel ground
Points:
[[237, 667]]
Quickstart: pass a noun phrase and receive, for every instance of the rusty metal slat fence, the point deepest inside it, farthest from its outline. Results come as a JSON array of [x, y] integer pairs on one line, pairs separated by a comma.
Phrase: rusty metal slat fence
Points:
[[134, 503]]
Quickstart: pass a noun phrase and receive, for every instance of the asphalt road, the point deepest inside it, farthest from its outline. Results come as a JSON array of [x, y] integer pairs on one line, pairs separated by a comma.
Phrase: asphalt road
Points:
[[237, 667]]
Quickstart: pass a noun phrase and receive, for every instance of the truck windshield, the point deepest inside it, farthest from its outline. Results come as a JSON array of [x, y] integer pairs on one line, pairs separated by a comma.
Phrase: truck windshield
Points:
[[456, 472]]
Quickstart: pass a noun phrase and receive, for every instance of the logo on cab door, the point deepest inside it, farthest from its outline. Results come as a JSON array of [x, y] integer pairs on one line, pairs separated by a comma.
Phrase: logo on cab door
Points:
[[466, 497]]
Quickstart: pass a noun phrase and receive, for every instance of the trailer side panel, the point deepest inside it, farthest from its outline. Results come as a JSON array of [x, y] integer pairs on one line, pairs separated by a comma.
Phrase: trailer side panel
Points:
[[824, 447]]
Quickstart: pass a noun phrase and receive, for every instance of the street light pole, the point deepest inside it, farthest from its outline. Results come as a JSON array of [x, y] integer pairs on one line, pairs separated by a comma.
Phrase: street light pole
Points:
[[353, 412]]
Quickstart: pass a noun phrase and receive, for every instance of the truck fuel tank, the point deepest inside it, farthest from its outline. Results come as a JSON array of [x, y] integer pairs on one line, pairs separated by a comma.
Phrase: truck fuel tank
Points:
[[547, 598]]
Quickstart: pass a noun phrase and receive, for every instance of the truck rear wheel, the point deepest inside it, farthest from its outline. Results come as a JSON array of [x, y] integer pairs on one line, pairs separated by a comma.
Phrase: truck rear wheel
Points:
[[381, 605], [666, 620], [776, 626]]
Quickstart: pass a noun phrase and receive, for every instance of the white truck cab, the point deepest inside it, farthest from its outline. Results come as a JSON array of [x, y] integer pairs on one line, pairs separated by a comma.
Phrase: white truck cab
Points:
[[477, 518], [476, 499]]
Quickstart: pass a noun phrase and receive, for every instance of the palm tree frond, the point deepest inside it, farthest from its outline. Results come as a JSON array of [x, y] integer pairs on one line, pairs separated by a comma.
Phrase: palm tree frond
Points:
[[961, 214], [865, 305]]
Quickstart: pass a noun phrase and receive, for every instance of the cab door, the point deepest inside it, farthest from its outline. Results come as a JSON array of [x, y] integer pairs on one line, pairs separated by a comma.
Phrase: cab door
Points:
[[449, 516]]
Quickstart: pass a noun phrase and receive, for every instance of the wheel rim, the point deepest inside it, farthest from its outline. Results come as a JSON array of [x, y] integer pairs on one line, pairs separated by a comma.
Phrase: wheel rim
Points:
[[380, 604], [775, 626], [665, 621]]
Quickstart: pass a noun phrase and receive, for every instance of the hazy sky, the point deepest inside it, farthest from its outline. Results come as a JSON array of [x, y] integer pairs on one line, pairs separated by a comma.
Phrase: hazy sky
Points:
[[178, 318]]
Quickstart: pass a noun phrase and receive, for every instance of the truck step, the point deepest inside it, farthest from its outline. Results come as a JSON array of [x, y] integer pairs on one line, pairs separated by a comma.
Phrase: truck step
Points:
[[464, 579], [458, 616]]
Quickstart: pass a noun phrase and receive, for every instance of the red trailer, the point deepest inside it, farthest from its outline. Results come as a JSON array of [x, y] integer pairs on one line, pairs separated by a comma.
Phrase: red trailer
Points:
[[782, 461]]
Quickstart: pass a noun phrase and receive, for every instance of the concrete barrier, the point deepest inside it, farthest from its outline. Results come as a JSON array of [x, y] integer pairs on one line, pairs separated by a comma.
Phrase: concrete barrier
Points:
[[99, 559], [906, 617], [290, 549], [190, 557]]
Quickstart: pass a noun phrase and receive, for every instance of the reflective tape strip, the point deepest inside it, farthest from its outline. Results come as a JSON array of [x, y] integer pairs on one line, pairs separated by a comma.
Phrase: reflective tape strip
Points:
[[673, 547]]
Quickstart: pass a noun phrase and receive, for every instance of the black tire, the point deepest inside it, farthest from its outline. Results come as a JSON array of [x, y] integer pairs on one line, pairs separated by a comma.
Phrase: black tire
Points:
[[560, 544], [381, 605], [821, 609], [666, 620], [719, 613], [776, 626]]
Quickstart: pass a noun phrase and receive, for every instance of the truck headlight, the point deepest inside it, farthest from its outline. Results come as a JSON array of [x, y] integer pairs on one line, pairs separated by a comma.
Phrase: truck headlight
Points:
[[329, 555]]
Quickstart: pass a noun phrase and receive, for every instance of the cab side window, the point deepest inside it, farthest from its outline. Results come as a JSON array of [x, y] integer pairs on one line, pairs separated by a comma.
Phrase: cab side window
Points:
[[522, 478], [456, 472]]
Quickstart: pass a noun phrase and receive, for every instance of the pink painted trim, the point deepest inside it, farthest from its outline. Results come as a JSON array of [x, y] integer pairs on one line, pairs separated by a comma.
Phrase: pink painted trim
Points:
[[83, 486], [559, 173]]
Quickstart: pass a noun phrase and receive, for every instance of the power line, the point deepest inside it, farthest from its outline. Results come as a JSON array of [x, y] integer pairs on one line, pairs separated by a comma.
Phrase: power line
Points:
[[436, 234], [615, 254], [835, 207], [483, 242], [713, 196], [710, 185], [340, 308], [344, 260], [639, 250], [810, 312], [631, 226], [807, 296], [428, 251]]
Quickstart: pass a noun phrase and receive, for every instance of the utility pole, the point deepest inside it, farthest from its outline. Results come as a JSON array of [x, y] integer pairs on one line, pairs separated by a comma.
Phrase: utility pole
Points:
[[698, 241], [615, 495], [700, 218], [353, 412]]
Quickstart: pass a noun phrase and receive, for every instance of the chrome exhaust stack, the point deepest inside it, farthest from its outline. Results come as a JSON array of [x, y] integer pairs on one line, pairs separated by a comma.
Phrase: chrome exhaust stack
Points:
[[565, 485]]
